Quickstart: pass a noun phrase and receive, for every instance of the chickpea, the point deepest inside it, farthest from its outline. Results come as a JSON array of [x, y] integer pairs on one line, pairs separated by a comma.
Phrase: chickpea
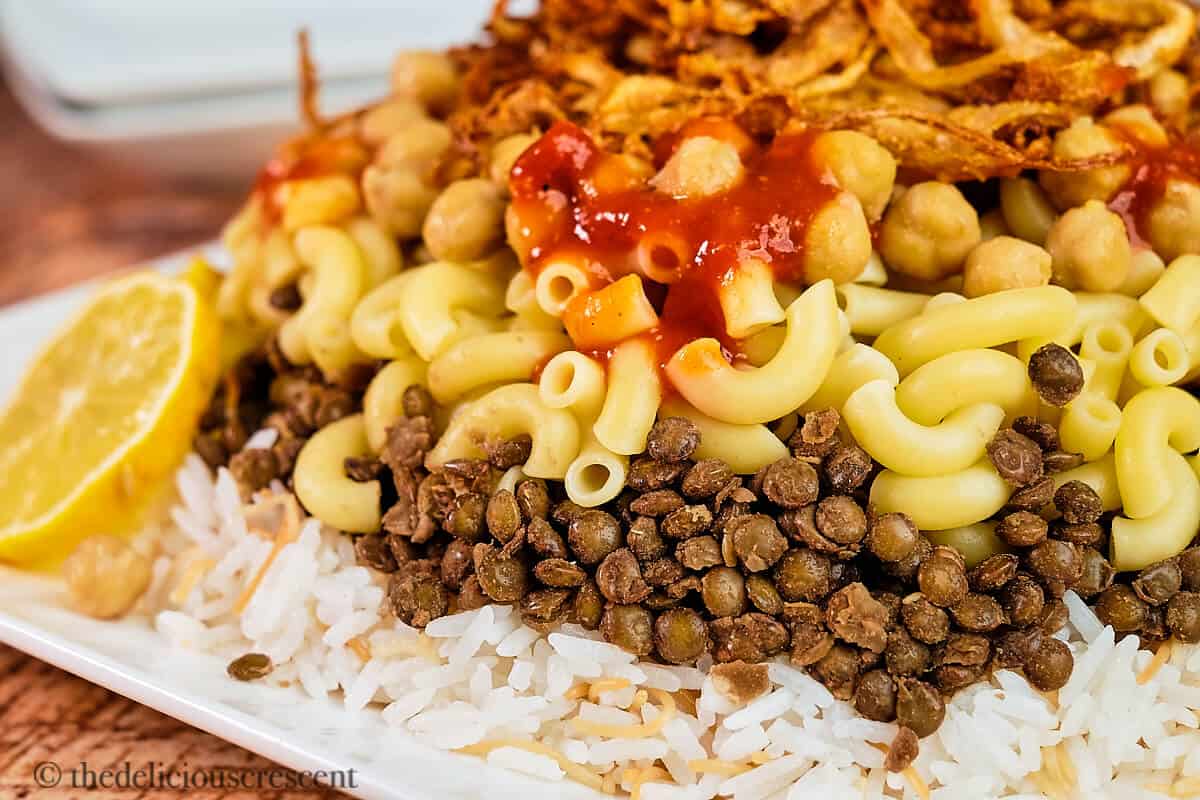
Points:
[[860, 165], [430, 78], [105, 576], [1174, 222], [1005, 263], [837, 244], [1084, 139], [388, 118], [465, 221], [699, 167], [1090, 249], [505, 154], [1027, 210], [418, 144], [1169, 92], [1139, 122], [397, 198], [928, 231]]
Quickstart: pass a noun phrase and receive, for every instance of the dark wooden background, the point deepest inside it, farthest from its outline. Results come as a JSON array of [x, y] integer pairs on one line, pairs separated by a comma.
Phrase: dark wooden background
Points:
[[66, 215]]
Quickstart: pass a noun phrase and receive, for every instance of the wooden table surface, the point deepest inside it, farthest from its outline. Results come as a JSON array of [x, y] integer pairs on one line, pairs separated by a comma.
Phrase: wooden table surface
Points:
[[66, 215]]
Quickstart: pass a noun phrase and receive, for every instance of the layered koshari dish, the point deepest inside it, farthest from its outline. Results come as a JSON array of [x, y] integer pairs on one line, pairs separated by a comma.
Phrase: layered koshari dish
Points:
[[852, 337]]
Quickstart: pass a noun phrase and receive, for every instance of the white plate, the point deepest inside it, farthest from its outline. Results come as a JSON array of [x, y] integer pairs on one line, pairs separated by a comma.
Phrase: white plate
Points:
[[286, 726]]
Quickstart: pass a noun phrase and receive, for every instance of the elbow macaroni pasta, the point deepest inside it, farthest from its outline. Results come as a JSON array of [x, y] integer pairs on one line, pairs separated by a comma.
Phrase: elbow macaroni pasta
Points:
[[382, 402], [987, 321], [321, 483], [713, 386], [1174, 300], [319, 330], [1138, 543], [745, 448], [940, 387], [852, 368], [909, 448], [432, 295], [944, 501], [634, 394], [491, 358], [507, 412], [1155, 425]]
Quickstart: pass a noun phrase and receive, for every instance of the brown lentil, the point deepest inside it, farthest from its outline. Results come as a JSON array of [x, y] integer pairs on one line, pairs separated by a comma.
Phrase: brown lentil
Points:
[[532, 499], [892, 537], [510, 452], [705, 478], [802, 574], [457, 562], [1183, 617], [418, 598], [504, 579], [1119, 607], [503, 515], [858, 618], [925, 621], [790, 483], [656, 503], [594, 534], [417, 401], [841, 519], [942, 578], [373, 551], [839, 670], [1043, 433], [466, 520], [1048, 665], [903, 751], [1158, 583], [544, 540], [680, 635], [685, 522], [1189, 567], [978, 613], [756, 541], [847, 468], [904, 655], [993, 572], [1084, 534], [628, 627], [619, 578], [723, 592], [559, 573], [1078, 502], [919, 706], [662, 571], [543, 607], [875, 696], [699, 553], [1060, 461], [250, 667], [588, 606], [646, 474], [1023, 600], [1097, 574], [672, 439], [1017, 458], [1022, 529], [644, 540], [1056, 560], [740, 682], [1056, 374], [763, 595], [1033, 497]]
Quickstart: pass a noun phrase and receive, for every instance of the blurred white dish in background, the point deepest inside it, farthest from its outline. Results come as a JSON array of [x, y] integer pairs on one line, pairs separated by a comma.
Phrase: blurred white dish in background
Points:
[[206, 88]]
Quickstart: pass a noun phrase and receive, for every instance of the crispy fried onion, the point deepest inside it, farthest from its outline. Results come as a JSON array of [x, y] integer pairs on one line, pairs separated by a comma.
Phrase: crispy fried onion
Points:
[[955, 88], [963, 145]]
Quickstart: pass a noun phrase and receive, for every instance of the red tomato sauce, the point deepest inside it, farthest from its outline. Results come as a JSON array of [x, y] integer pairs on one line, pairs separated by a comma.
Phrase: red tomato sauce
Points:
[[1150, 170], [765, 216]]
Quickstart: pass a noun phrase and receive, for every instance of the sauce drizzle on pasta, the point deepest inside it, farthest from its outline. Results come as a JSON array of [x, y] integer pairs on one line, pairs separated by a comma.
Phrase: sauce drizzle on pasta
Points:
[[565, 203]]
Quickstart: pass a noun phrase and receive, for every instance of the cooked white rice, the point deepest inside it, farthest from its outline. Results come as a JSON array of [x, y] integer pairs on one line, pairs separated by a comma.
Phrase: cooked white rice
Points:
[[481, 680]]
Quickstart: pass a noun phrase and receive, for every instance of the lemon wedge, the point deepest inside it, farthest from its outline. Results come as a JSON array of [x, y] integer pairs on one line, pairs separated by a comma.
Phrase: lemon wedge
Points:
[[103, 415]]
